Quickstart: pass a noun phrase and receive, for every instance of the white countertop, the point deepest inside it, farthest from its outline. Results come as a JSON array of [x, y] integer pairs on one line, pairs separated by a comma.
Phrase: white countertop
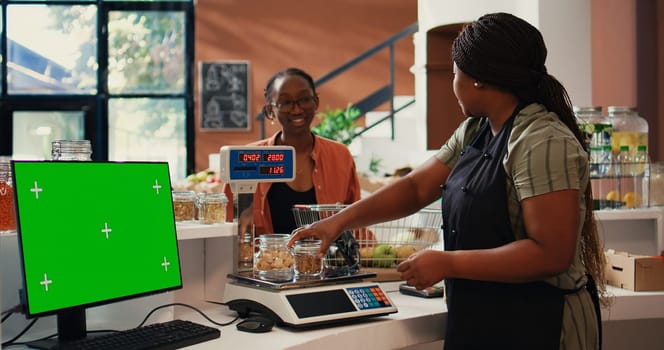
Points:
[[418, 321]]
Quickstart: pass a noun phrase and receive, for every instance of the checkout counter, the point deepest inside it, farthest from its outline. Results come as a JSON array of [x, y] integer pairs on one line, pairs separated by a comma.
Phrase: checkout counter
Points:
[[633, 321]]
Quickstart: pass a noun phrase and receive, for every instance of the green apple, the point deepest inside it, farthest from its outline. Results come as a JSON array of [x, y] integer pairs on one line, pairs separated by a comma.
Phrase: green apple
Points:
[[384, 255]]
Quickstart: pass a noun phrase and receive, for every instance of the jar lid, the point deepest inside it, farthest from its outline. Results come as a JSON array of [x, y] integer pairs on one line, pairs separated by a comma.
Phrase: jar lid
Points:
[[308, 242], [620, 109], [581, 109], [184, 194]]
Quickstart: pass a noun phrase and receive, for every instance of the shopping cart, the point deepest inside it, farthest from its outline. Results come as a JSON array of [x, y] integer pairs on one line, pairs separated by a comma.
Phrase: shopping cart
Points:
[[383, 245]]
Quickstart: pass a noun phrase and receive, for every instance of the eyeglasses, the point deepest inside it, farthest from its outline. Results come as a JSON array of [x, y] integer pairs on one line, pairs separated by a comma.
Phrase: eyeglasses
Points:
[[288, 105]]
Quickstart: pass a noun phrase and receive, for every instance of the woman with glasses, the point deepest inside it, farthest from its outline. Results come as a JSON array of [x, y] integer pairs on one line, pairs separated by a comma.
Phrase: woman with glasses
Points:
[[325, 169]]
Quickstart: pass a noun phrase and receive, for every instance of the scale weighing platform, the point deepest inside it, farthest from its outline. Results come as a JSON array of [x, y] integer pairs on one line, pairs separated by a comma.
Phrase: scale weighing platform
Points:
[[301, 302], [308, 302]]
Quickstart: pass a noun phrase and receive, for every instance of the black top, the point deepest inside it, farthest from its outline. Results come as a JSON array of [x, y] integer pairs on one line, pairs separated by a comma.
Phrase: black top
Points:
[[281, 199]]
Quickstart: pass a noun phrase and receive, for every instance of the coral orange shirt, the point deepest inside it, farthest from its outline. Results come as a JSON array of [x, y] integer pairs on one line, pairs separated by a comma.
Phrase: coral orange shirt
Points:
[[334, 177]]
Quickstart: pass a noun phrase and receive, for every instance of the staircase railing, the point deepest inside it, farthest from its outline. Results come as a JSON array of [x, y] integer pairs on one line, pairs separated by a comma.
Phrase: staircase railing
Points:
[[378, 97]]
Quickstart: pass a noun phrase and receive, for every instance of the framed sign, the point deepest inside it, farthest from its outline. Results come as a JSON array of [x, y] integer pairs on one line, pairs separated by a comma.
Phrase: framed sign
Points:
[[224, 99]]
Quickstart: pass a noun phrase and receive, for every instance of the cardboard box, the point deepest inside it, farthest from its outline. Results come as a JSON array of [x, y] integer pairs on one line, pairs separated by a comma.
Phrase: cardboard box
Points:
[[634, 272]]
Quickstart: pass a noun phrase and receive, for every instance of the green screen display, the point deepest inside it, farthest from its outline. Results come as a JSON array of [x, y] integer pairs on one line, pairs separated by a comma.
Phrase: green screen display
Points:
[[94, 232]]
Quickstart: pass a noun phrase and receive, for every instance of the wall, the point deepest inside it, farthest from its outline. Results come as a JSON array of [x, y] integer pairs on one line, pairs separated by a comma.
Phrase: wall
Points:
[[568, 59], [628, 61], [315, 35]]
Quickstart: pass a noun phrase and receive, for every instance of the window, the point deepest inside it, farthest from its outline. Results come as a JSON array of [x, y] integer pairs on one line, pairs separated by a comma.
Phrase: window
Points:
[[115, 72]]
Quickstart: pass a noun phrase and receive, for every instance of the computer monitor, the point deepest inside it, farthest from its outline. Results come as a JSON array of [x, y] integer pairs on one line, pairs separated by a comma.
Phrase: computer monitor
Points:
[[92, 233]]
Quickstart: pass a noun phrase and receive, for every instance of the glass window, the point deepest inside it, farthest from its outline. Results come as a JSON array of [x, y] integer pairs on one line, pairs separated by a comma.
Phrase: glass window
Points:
[[117, 73], [34, 131], [51, 49], [146, 52], [148, 129]]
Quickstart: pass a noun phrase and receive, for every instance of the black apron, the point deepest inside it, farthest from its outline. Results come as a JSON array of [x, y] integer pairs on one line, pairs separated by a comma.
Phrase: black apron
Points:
[[491, 315]]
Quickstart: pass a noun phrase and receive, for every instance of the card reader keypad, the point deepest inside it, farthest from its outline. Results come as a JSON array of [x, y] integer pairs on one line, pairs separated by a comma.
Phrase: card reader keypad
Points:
[[369, 297]]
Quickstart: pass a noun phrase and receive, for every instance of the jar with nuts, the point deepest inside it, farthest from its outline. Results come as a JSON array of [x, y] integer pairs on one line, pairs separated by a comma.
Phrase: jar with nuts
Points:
[[273, 261], [212, 208], [307, 262], [184, 205]]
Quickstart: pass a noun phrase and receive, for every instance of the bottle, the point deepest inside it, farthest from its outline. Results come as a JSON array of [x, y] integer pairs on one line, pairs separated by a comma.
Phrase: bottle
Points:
[[642, 177], [7, 210], [629, 128], [596, 128], [627, 173], [80, 150], [600, 161], [245, 252], [606, 183]]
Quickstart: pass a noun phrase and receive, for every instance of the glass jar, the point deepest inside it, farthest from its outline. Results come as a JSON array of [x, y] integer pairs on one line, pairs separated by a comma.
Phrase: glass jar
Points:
[[273, 261], [212, 208], [656, 184], [629, 129], [307, 262], [596, 129], [184, 205], [245, 252], [80, 150], [7, 210]]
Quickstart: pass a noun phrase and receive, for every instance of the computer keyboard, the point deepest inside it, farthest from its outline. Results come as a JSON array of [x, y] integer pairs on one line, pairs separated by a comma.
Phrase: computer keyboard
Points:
[[167, 335]]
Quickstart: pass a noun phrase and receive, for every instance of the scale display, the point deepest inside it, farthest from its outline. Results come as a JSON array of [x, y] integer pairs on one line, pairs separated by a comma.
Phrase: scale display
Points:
[[257, 163]]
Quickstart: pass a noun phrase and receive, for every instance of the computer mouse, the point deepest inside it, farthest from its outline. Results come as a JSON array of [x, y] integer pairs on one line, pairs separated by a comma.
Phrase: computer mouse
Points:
[[256, 324]]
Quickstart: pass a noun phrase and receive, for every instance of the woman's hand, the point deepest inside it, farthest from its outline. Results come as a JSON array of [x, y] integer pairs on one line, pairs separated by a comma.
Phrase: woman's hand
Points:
[[325, 230], [246, 220], [424, 268]]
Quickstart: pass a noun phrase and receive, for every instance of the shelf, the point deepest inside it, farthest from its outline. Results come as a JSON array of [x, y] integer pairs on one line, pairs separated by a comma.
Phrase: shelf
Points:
[[655, 213], [186, 230]]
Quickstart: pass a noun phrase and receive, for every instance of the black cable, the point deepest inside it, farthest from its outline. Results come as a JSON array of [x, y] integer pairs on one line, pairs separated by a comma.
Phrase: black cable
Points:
[[6, 316], [191, 307], [12, 309], [12, 340]]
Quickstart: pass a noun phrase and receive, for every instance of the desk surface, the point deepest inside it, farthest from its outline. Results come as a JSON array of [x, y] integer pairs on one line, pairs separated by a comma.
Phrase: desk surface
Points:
[[418, 321]]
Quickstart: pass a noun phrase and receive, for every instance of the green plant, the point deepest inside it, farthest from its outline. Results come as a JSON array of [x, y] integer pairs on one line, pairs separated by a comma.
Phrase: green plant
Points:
[[374, 164], [338, 124]]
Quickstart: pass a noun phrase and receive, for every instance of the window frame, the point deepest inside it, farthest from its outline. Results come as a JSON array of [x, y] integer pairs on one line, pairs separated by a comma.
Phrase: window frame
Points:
[[95, 106]]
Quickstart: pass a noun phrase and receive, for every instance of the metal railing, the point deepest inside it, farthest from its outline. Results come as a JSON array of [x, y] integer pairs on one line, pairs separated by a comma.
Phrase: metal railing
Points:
[[378, 97]]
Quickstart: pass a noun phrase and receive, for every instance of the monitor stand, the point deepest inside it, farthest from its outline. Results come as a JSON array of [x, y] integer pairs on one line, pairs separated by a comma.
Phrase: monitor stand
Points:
[[71, 326]]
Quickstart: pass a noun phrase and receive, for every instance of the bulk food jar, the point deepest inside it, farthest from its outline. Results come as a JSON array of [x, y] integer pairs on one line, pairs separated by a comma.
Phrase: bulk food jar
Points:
[[273, 260], [7, 213], [80, 150], [595, 128]]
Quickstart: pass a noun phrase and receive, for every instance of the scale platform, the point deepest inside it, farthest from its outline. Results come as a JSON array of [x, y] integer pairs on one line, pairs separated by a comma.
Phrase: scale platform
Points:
[[308, 302]]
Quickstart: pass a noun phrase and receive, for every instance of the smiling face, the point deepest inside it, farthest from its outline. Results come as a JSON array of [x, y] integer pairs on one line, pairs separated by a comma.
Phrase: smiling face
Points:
[[293, 103]]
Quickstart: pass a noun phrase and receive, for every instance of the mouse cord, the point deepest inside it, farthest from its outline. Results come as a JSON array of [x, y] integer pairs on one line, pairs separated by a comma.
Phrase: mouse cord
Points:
[[193, 308]]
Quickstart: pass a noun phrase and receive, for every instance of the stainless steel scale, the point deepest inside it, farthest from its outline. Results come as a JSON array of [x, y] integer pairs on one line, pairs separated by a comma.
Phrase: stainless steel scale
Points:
[[301, 302]]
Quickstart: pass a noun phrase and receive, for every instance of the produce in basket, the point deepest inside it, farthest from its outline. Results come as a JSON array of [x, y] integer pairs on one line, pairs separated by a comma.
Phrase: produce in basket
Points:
[[393, 247]]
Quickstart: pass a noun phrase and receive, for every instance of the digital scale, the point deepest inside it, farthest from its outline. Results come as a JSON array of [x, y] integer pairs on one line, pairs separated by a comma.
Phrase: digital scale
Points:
[[303, 301]]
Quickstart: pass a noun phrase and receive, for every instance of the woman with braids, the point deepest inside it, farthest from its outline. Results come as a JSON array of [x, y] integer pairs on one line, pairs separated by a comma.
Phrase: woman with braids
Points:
[[325, 169], [521, 247]]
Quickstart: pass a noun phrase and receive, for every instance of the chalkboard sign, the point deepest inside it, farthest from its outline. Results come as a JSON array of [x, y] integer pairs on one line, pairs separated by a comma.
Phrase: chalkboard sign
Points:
[[224, 88]]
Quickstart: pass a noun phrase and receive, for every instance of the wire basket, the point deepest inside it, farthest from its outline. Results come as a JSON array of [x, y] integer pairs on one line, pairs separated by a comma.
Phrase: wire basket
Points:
[[386, 244]]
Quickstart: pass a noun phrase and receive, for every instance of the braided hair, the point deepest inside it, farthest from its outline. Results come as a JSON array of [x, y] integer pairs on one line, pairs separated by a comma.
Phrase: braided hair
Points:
[[505, 51]]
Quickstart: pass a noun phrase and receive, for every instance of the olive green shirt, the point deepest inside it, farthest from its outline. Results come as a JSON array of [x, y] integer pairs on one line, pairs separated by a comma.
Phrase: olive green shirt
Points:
[[543, 156]]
